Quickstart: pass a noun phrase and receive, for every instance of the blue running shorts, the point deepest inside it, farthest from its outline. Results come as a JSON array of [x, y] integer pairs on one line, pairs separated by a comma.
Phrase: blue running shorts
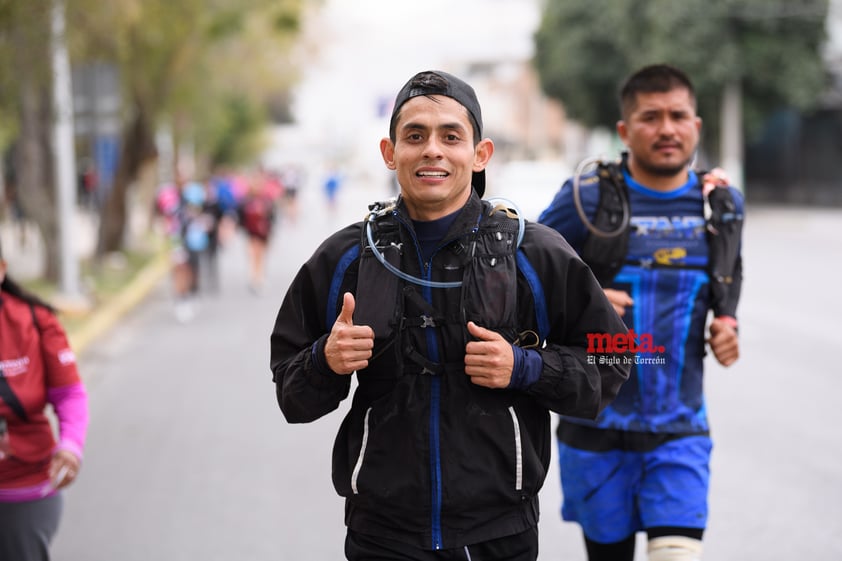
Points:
[[616, 493]]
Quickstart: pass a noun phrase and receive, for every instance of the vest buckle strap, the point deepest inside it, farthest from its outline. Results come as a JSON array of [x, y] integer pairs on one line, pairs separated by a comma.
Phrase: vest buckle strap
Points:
[[423, 321]]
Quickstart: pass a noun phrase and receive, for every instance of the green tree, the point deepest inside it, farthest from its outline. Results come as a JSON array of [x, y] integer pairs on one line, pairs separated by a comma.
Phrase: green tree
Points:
[[182, 63], [771, 49], [205, 67]]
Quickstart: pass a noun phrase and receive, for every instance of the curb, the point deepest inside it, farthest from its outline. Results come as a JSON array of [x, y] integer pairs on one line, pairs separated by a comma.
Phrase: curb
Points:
[[105, 317]]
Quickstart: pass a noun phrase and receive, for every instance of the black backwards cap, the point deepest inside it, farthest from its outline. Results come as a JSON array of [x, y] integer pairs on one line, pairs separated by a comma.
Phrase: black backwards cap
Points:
[[436, 82]]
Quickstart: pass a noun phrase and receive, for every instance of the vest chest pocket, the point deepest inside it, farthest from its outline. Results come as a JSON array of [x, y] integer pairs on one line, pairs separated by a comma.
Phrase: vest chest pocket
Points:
[[378, 305], [489, 290], [377, 297]]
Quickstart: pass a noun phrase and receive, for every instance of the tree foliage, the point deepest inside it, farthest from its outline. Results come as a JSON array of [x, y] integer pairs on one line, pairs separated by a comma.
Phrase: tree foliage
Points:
[[585, 48], [181, 65], [204, 68]]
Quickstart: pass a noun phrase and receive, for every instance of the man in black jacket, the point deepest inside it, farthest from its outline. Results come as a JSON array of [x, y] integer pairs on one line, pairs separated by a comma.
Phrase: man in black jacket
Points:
[[465, 326]]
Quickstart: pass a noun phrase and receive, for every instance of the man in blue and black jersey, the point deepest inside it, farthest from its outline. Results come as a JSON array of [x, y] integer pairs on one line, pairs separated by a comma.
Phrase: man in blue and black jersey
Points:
[[664, 242]]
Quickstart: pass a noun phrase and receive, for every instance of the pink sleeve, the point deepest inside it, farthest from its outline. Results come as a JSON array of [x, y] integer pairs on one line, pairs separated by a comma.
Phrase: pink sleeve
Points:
[[71, 407]]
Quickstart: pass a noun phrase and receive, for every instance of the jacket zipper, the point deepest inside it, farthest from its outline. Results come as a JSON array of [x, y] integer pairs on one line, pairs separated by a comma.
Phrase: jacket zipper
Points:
[[435, 403], [435, 444]]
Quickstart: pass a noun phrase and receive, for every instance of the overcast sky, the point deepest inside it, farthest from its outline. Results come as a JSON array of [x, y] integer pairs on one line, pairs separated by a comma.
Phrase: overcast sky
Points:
[[367, 49]]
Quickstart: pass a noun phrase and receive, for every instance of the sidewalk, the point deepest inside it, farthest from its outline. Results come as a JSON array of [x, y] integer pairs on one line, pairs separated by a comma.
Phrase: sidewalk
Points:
[[23, 248], [23, 251]]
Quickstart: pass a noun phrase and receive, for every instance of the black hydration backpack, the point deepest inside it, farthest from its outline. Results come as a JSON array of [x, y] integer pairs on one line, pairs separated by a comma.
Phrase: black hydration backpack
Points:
[[605, 250]]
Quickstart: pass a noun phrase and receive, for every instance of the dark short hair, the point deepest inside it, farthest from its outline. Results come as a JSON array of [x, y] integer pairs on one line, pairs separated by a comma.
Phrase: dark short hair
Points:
[[436, 82], [655, 78]]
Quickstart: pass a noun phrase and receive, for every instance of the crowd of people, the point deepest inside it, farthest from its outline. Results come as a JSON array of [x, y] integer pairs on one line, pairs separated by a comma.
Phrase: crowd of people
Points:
[[201, 217]]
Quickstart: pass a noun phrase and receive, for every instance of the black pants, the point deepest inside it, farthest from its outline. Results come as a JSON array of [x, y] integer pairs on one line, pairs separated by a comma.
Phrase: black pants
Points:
[[26, 528], [519, 547]]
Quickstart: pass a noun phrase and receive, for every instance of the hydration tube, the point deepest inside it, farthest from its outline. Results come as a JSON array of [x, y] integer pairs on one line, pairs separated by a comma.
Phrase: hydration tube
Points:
[[577, 201], [419, 281]]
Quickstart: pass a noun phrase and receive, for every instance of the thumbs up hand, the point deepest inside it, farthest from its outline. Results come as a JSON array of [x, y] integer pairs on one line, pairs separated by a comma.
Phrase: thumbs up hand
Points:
[[489, 360], [349, 346]]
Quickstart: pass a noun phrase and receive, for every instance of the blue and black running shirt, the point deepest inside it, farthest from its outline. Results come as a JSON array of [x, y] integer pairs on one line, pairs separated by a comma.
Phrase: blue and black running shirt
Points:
[[665, 274]]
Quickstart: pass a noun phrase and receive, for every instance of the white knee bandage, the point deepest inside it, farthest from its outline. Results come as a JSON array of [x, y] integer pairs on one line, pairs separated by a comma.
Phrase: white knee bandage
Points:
[[674, 548]]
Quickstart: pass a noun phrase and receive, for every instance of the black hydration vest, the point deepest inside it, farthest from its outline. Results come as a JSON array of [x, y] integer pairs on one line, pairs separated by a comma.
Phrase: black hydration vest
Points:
[[606, 255], [398, 310]]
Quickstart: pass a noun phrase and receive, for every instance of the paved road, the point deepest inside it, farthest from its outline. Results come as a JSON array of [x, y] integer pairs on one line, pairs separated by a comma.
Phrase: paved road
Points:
[[189, 459]]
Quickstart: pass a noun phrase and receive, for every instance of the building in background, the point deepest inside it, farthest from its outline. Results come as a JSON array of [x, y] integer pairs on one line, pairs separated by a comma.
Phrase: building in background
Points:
[[797, 158], [359, 55]]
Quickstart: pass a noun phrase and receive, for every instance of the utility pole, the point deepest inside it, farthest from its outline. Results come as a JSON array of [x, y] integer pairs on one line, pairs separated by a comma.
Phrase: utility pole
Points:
[[64, 153], [731, 131]]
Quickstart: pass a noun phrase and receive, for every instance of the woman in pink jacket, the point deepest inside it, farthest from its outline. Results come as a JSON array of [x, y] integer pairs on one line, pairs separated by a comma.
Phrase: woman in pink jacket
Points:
[[37, 367]]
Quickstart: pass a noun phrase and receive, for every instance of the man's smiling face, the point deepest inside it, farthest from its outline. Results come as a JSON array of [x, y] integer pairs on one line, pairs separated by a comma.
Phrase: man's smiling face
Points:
[[434, 155]]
